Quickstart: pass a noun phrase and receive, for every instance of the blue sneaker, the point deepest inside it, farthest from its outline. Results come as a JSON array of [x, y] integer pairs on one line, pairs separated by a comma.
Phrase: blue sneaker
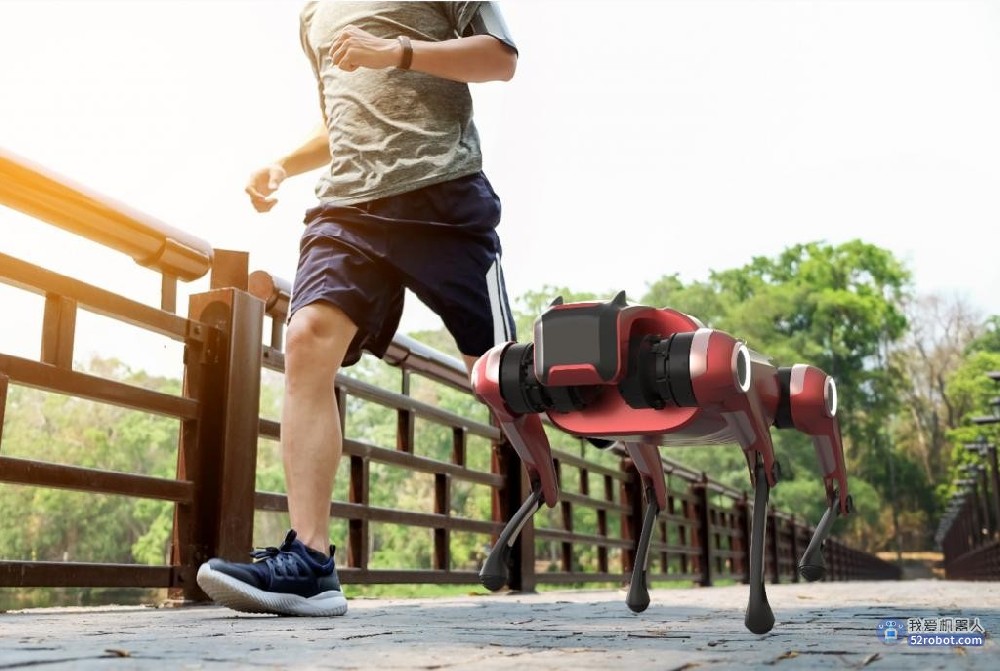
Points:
[[287, 580]]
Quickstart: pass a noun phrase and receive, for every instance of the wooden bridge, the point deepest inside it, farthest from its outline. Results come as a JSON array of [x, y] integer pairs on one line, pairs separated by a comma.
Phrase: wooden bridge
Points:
[[232, 333], [829, 625]]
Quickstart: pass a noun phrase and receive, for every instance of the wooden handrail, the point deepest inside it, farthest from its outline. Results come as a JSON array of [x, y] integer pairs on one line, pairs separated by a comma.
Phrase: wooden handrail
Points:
[[45, 195]]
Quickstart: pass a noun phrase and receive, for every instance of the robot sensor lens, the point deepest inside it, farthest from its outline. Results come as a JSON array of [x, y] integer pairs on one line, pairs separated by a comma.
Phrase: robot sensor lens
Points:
[[742, 367], [830, 397]]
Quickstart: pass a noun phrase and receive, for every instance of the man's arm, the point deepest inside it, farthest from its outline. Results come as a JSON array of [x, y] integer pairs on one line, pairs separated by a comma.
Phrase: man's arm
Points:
[[313, 153], [479, 58]]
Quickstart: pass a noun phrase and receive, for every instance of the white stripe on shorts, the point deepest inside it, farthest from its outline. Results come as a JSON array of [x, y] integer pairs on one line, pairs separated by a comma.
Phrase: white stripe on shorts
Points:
[[499, 308]]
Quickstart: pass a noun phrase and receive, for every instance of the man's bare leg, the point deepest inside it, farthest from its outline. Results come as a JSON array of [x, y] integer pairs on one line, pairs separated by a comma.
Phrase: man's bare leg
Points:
[[470, 361], [311, 441]]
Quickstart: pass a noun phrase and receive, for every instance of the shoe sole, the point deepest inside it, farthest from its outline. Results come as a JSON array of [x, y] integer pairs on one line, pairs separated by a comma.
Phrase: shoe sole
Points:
[[232, 593]]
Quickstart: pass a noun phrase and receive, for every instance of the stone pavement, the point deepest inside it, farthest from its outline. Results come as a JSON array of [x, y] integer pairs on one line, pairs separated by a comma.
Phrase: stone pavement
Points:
[[819, 626]]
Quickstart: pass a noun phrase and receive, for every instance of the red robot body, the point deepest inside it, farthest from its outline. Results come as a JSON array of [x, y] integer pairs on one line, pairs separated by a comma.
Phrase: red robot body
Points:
[[645, 377]]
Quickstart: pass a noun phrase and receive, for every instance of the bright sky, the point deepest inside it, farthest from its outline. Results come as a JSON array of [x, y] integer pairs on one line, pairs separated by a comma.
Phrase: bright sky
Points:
[[637, 139]]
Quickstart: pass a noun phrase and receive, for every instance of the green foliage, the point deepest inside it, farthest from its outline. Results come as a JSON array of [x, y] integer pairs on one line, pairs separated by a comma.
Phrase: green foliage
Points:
[[973, 390], [989, 340], [804, 496], [868, 527], [700, 300], [834, 307], [530, 305], [57, 525]]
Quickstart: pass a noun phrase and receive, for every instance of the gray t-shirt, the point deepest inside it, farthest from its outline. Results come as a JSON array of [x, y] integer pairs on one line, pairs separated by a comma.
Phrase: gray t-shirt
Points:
[[391, 131]]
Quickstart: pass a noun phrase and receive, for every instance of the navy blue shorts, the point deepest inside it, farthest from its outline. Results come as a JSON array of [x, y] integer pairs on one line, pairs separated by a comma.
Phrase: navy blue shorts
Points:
[[439, 241]]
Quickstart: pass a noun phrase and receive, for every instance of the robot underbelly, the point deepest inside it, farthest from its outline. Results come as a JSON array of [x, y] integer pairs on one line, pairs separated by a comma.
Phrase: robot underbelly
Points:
[[674, 426]]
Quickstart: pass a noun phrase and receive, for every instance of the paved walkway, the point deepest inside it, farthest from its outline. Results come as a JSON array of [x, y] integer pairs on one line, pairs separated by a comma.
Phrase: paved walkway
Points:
[[821, 626]]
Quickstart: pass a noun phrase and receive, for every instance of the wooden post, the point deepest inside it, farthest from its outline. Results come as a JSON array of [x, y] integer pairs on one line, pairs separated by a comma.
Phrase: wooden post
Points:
[[4, 380], [566, 510], [743, 523], [442, 536], [704, 536], [405, 421], [631, 496], [506, 501], [602, 524], [772, 547], [218, 451], [357, 529], [794, 530]]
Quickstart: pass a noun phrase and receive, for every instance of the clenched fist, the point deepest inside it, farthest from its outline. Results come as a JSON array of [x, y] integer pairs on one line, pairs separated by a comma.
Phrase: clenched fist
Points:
[[354, 48]]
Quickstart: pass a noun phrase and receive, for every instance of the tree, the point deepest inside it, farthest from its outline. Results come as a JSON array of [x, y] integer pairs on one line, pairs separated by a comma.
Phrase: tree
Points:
[[971, 391], [941, 332], [988, 339], [835, 307]]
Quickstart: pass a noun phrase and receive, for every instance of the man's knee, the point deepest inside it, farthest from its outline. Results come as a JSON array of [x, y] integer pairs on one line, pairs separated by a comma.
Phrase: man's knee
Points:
[[318, 336]]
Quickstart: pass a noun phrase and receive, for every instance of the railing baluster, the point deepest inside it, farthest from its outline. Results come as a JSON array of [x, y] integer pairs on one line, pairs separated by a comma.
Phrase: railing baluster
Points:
[[405, 421], [357, 528], [442, 536], [168, 293], [505, 500], [703, 539], [58, 331], [745, 528], [4, 382], [631, 523], [602, 523], [566, 510], [458, 445], [773, 532]]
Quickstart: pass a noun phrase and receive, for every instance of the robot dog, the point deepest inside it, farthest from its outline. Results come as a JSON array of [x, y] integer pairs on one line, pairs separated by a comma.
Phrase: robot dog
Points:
[[646, 377]]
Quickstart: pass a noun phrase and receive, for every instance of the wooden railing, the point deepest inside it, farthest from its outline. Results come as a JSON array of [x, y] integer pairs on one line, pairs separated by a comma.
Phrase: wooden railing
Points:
[[588, 538], [969, 532]]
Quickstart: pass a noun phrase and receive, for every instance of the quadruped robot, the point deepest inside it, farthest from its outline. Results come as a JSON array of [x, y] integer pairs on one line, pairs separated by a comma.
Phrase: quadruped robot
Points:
[[643, 377]]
